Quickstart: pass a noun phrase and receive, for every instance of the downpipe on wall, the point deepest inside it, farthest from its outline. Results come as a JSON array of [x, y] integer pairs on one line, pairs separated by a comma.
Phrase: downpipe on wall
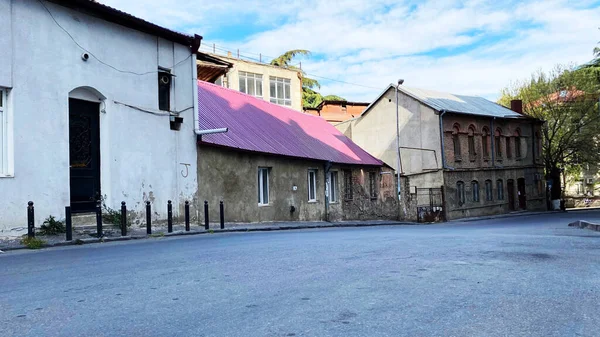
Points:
[[327, 167]]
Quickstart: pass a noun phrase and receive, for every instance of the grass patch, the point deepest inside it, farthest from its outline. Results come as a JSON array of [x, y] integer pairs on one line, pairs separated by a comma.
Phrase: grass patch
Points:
[[33, 243]]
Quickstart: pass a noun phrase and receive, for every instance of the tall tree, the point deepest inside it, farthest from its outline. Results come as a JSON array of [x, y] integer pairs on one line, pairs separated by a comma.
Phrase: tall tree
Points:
[[310, 97], [566, 98]]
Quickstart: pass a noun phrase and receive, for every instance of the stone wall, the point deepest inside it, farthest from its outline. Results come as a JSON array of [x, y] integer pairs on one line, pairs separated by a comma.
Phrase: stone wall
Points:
[[231, 176]]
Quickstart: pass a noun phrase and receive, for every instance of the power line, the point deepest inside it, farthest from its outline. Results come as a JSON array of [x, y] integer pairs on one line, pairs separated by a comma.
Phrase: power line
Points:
[[243, 54], [95, 57]]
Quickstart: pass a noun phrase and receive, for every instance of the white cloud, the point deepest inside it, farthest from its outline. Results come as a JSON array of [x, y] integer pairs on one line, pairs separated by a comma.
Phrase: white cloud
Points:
[[465, 47]]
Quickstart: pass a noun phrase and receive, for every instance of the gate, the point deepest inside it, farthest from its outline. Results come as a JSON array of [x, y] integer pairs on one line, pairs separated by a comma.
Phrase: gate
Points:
[[430, 205]]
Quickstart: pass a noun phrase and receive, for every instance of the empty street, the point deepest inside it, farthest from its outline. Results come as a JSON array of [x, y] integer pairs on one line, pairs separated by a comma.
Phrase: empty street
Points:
[[519, 276]]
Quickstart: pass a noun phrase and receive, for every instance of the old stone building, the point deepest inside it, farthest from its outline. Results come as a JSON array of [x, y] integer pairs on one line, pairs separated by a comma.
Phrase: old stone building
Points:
[[485, 156], [275, 164]]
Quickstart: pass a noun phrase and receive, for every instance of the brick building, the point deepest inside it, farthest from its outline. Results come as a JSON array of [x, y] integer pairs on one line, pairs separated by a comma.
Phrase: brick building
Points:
[[485, 156], [337, 111]]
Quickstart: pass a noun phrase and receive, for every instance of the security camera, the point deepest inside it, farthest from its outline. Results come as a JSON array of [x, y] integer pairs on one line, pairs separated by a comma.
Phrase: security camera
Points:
[[85, 56], [400, 81]]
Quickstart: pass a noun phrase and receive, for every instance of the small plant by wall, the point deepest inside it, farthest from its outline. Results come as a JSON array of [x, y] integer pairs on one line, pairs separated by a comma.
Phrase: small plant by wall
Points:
[[52, 226], [33, 243], [110, 215]]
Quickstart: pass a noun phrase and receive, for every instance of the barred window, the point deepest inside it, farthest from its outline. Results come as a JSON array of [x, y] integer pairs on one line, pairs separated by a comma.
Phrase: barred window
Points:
[[488, 191], [475, 187], [348, 188], [373, 184]]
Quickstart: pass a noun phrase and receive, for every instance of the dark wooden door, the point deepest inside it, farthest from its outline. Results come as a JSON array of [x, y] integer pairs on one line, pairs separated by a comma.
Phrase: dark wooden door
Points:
[[521, 193], [84, 154], [510, 189]]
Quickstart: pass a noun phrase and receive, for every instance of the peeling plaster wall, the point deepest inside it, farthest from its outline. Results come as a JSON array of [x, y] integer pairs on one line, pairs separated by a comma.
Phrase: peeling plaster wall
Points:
[[141, 158]]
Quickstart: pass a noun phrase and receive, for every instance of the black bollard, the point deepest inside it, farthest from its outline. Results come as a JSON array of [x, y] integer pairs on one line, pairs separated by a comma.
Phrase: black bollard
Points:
[[169, 217], [99, 219], [206, 215], [187, 216], [68, 223], [222, 215], [123, 219], [148, 218], [30, 220]]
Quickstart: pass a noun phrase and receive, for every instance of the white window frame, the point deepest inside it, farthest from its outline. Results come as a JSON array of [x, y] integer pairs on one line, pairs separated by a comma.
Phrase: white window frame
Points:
[[312, 187], [255, 79], [274, 96], [262, 201], [332, 187], [6, 168]]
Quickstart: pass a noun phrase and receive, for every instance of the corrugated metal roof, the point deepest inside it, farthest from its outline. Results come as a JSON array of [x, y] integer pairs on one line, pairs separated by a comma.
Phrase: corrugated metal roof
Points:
[[441, 101], [460, 103], [259, 126]]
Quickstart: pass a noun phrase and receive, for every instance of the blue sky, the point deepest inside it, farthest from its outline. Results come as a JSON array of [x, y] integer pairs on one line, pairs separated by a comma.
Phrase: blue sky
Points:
[[472, 47]]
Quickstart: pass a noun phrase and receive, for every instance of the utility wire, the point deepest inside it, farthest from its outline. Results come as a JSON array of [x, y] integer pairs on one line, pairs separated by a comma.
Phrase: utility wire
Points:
[[94, 56], [209, 47]]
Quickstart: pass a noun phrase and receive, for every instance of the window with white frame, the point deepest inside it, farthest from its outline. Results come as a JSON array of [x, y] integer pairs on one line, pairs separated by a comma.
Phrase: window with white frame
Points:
[[251, 84], [312, 185], [263, 185], [332, 186], [3, 133], [280, 90]]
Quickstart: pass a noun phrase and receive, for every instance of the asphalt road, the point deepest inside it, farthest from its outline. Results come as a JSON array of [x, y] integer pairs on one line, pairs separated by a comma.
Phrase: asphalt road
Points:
[[523, 276]]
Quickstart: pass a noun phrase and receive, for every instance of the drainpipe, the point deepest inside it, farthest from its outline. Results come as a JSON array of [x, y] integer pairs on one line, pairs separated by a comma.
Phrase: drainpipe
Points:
[[444, 165], [399, 159], [327, 167], [493, 141]]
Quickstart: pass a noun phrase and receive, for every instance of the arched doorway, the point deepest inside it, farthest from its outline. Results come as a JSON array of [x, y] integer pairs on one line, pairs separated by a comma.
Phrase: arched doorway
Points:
[[521, 193], [84, 148], [510, 189]]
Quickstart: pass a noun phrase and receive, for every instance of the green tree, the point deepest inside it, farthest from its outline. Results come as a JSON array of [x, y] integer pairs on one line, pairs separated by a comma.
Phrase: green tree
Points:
[[310, 97], [566, 98]]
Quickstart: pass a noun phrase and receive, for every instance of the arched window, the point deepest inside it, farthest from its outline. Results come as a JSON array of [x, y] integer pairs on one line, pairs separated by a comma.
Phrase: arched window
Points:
[[475, 188], [500, 189], [498, 146], [456, 142], [518, 144], [538, 145], [460, 193], [488, 190], [508, 146], [485, 133], [471, 142]]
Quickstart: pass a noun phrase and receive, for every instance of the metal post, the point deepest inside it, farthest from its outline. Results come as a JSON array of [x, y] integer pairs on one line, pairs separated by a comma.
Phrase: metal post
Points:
[[30, 220], [214, 49], [123, 219], [148, 218], [222, 215], [260, 57], [68, 223], [99, 219], [169, 217], [206, 215], [187, 216], [238, 53]]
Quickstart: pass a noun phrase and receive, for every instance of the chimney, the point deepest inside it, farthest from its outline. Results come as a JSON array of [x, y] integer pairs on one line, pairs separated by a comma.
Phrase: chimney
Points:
[[516, 105]]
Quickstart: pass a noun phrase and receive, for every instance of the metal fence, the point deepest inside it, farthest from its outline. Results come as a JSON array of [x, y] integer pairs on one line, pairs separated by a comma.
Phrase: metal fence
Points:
[[430, 204]]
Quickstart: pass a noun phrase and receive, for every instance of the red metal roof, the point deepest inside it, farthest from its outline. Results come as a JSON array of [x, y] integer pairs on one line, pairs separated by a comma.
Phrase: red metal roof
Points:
[[259, 126]]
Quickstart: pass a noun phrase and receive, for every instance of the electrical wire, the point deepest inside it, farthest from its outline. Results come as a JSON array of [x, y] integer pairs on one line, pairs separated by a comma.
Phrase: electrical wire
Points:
[[95, 57], [156, 113]]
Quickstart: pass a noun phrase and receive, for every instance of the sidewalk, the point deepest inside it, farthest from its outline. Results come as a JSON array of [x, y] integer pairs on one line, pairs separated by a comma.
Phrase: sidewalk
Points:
[[87, 234]]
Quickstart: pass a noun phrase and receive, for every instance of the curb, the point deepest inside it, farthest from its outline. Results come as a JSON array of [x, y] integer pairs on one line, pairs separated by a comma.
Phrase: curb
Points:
[[501, 216], [212, 231]]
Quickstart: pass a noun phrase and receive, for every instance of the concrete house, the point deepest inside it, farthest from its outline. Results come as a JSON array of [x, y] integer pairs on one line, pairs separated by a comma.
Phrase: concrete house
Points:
[[275, 164], [93, 102], [273, 84], [483, 157]]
